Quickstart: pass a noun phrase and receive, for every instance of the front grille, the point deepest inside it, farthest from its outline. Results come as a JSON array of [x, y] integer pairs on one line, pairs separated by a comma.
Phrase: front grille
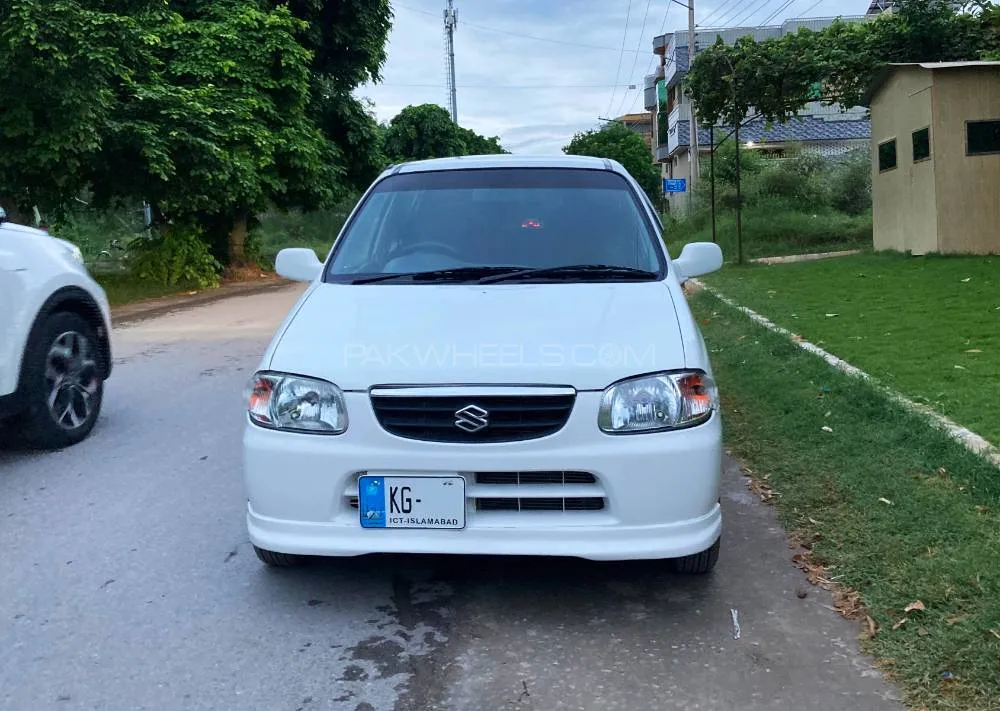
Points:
[[515, 478], [576, 503], [509, 418]]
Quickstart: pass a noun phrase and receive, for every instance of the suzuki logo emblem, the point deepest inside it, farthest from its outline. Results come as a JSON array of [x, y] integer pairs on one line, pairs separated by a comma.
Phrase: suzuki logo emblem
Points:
[[472, 418]]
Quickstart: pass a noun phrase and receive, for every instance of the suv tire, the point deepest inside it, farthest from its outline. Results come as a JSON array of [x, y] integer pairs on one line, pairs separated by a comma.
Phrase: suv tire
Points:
[[61, 381]]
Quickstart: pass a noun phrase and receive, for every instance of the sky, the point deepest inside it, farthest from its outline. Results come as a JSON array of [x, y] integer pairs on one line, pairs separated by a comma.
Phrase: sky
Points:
[[534, 72]]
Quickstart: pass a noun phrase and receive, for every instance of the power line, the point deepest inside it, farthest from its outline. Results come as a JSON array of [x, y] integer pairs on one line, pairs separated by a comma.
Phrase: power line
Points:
[[628, 15], [732, 13], [811, 8], [754, 10], [635, 59], [652, 60], [717, 11], [779, 11], [519, 35]]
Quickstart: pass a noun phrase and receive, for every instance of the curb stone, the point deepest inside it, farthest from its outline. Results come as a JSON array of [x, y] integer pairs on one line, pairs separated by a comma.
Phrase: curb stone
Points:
[[805, 257], [964, 436]]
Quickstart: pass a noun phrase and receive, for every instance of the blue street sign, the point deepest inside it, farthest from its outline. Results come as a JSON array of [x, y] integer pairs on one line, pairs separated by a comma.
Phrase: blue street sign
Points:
[[674, 186]]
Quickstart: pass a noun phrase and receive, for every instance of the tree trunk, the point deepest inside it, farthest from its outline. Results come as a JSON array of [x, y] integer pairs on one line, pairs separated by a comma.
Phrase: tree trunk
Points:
[[10, 207], [238, 240]]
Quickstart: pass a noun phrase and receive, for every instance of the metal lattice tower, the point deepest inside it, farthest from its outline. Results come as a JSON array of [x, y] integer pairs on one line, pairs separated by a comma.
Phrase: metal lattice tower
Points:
[[450, 23]]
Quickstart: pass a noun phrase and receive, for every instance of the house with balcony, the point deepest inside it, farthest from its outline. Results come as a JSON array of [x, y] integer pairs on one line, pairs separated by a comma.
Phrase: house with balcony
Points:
[[826, 130]]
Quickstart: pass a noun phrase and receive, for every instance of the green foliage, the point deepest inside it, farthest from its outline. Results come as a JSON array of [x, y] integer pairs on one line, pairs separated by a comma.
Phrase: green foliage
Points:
[[427, 131], [176, 256], [64, 65], [618, 142], [209, 109], [851, 184], [777, 77], [803, 203]]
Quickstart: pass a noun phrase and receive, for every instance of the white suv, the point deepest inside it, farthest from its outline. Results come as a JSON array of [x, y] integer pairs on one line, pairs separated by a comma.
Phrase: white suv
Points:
[[55, 350], [496, 358]]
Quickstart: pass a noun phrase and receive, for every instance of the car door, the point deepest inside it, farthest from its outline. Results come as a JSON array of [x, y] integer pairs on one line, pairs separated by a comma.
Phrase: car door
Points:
[[13, 268]]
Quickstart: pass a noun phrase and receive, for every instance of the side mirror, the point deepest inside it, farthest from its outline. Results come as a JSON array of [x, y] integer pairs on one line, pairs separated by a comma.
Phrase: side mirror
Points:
[[298, 264], [698, 258]]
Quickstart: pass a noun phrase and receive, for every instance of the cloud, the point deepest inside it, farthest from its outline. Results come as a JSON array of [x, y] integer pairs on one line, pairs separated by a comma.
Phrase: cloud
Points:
[[534, 72]]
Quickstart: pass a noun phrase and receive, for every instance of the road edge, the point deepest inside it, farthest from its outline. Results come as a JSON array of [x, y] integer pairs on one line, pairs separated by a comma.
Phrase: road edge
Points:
[[159, 306]]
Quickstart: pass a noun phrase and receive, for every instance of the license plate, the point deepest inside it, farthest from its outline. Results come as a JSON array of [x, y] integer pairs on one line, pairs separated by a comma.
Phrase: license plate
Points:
[[412, 501]]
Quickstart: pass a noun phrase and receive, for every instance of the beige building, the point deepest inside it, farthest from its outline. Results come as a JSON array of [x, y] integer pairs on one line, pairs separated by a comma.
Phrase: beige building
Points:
[[936, 157]]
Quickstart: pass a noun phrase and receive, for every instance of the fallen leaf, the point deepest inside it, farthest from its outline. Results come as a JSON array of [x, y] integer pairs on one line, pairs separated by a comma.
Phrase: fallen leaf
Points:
[[915, 605], [832, 315], [995, 633], [955, 619], [899, 624], [827, 414], [827, 429], [959, 367], [966, 280], [973, 350], [922, 632], [885, 501]]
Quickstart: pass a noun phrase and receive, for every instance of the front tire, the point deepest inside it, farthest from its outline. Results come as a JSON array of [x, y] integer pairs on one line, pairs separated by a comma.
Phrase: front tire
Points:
[[699, 563], [63, 388], [276, 560]]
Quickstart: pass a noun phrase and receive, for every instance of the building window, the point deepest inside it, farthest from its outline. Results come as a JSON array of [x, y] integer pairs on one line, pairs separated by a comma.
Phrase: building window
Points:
[[887, 155], [921, 144], [983, 137]]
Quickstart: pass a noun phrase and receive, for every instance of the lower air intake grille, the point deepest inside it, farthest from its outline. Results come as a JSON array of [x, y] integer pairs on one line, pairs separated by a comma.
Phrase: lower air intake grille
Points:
[[580, 503]]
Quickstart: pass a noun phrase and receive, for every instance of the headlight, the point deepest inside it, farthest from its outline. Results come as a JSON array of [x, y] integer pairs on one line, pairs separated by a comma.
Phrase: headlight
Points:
[[290, 402], [655, 403]]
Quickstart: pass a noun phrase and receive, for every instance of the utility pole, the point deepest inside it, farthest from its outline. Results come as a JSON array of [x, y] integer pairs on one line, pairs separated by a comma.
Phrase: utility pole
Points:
[[450, 22], [695, 156]]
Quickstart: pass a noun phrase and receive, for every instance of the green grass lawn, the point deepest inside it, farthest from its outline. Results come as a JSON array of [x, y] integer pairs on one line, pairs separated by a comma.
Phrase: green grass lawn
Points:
[[889, 505], [928, 327]]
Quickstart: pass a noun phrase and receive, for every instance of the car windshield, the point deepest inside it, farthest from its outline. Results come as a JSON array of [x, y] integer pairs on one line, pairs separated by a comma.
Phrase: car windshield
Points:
[[462, 225]]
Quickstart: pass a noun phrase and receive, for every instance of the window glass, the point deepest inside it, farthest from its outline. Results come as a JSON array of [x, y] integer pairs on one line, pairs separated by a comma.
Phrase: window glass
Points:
[[509, 217], [983, 137], [887, 155], [921, 144]]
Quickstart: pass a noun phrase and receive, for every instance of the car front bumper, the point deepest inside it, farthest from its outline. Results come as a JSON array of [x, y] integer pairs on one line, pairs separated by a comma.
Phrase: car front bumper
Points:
[[660, 491]]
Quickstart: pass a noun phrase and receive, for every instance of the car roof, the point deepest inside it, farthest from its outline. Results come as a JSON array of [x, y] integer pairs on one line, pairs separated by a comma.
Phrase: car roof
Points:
[[507, 160]]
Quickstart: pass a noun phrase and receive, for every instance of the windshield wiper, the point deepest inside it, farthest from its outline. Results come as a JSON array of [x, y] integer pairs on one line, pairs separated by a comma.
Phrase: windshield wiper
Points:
[[573, 271], [454, 274]]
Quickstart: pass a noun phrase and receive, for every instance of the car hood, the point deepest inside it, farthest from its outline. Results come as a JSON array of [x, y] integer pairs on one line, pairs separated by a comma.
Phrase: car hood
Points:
[[581, 335]]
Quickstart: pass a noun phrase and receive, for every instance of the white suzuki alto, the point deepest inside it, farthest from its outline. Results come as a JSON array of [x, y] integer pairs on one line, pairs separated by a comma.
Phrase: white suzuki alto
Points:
[[497, 357]]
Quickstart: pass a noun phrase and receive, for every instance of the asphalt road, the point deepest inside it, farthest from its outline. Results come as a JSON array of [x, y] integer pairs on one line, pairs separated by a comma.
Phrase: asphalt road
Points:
[[127, 582]]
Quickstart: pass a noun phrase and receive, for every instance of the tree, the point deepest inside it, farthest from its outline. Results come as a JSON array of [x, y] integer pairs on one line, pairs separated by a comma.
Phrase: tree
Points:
[[219, 125], [63, 68], [210, 109], [778, 77], [427, 131], [618, 142]]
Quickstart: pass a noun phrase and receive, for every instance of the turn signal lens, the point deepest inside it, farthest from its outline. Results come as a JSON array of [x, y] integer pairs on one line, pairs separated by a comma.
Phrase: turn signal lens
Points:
[[296, 404], [655, 403]]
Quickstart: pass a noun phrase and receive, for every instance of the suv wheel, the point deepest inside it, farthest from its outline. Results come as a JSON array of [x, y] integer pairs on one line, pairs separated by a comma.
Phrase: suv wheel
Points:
[[62, 384]]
